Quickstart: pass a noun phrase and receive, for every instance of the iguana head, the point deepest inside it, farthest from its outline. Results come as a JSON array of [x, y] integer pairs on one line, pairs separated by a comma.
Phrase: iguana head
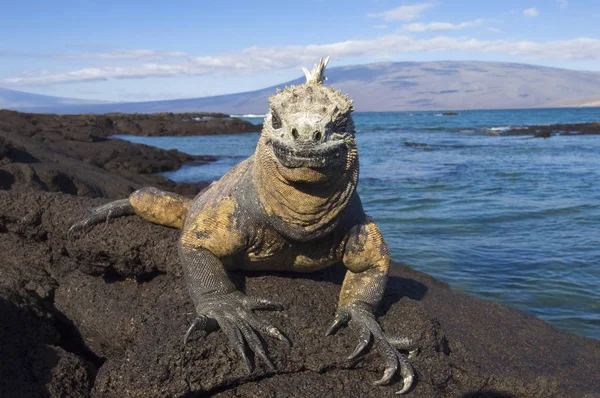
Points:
[[309, 129]]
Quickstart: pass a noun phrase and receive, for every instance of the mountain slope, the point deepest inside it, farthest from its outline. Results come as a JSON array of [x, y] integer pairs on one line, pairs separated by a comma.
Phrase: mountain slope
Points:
[[398, 86], [13, 99]]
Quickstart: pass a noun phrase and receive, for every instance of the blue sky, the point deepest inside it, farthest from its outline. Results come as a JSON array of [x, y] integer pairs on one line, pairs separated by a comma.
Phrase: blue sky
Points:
[[133, 50]]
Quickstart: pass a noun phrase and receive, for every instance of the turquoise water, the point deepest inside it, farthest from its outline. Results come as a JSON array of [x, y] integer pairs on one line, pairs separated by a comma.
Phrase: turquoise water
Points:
[[510, 219]]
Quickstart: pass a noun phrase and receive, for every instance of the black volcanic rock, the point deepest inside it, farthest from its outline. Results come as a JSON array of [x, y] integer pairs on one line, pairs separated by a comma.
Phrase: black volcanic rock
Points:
[[62, 155], [37, 360], [546, 131], [89, 127], [119, 288]]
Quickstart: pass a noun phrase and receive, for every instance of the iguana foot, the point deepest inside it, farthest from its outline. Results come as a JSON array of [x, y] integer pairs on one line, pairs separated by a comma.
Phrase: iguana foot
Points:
[[232, 312], [367, 327], [102, 213]]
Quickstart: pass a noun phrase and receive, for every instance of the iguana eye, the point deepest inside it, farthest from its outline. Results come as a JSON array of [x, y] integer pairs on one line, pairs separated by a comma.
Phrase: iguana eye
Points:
[[275, 121]]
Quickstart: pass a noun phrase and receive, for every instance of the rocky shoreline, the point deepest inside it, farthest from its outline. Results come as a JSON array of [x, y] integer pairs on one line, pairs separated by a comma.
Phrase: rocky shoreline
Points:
[[155, 124], [103, 314], [73, 154], [546, 131]]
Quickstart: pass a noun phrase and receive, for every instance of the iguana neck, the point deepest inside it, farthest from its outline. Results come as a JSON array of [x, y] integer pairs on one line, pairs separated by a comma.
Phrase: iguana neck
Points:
[[307, 210]]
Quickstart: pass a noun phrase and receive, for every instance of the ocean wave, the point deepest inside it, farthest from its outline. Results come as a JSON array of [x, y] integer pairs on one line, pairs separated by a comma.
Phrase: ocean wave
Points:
[[249, 115], [501, 129], [374, 128], [441, 128]]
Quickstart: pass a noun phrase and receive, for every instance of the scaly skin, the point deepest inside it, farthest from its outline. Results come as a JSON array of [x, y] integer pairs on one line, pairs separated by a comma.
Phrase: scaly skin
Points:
[[291, 206]]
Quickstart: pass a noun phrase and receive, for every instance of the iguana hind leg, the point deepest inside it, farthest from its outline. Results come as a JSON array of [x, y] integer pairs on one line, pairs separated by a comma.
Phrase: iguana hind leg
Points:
[[159, 207]]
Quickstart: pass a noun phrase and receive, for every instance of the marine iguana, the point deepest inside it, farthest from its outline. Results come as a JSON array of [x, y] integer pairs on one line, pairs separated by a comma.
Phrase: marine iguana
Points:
[[291, 206]]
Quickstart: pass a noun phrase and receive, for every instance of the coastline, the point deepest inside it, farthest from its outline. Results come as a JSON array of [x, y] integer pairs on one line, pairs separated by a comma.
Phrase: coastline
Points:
[[105, 313], [150, 125], [546, 131], [74, 154]]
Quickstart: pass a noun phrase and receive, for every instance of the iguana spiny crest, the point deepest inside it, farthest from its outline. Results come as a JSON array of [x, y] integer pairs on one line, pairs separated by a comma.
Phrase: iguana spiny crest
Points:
[[309, 114]]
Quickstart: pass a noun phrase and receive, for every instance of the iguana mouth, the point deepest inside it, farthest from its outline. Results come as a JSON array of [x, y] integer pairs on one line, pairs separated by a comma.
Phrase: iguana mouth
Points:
[[319, 156]]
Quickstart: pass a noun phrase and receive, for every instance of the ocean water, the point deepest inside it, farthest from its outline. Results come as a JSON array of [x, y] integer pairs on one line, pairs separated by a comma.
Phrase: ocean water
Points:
[[511, 219]]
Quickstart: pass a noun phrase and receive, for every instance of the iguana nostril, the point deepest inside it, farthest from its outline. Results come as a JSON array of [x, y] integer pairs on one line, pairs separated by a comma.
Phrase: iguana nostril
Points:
[[317, 136], [295, 133]]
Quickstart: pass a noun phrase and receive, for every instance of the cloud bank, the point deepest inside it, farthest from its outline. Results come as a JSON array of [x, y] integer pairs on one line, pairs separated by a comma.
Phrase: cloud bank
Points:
[[260, 59]]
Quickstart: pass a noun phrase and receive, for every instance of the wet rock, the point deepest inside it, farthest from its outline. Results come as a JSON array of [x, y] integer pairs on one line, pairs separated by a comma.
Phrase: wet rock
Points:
[[415, 144], [546, 131]]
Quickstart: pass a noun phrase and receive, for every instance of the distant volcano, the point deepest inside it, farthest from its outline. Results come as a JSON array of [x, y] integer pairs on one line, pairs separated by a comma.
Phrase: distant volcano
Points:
[[391, 86]]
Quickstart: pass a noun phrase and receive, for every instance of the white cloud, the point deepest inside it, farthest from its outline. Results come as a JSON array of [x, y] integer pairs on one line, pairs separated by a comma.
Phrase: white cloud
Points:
[[139, 55], [380, 26], [563, 3], [531, 12], [440, 26], [125, 54], [495, 30], [262, 59], [403, 13]]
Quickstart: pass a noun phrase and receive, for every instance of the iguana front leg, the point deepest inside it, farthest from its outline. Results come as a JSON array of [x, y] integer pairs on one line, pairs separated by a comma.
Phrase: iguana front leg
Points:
[[367, 258], [211, 235]]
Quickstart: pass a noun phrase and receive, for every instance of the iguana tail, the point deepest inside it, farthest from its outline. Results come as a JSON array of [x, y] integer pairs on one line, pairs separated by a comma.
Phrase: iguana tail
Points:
[[159, 207]]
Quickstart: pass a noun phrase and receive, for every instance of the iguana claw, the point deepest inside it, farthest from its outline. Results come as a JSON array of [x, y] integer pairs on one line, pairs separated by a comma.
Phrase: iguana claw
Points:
[[201, 322], [364, 322], [233, 314]]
